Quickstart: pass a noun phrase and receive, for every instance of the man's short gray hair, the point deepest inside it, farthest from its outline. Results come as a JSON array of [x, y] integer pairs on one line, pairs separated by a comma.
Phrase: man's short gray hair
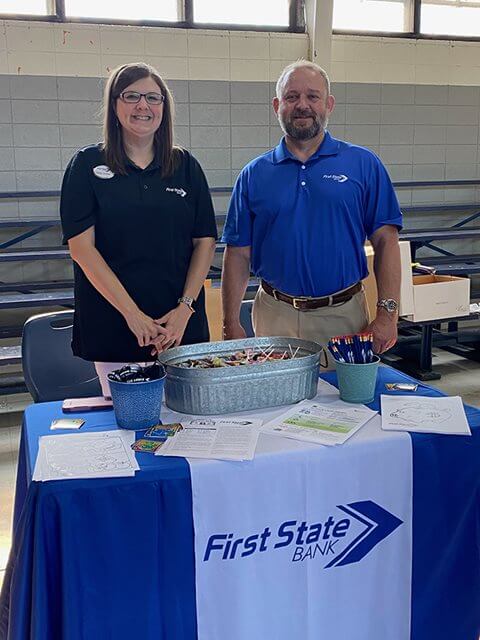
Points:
[[301, 64]]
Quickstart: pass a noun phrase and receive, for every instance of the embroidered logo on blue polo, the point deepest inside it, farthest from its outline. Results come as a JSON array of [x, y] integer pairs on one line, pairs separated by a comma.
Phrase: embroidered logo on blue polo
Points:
[[103, 172], [335, 177], [340, 540], [180, 192]]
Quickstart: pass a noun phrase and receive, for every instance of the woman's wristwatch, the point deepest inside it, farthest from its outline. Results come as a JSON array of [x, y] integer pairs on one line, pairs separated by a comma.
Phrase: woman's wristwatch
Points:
[[188, 300]]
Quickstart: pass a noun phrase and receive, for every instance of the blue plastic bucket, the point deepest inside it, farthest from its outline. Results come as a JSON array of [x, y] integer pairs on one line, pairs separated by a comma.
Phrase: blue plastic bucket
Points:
[[356, 382], [137, 405]]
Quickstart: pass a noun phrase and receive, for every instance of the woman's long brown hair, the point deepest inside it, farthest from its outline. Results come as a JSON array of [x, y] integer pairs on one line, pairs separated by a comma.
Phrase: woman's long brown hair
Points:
[[167, 154]]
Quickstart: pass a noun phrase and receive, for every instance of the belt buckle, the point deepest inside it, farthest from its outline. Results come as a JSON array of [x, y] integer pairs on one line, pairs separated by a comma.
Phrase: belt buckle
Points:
[[295, 302]]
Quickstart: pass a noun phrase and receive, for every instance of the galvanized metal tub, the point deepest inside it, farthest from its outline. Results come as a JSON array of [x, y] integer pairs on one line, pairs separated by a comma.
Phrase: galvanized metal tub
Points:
[[229, 389]]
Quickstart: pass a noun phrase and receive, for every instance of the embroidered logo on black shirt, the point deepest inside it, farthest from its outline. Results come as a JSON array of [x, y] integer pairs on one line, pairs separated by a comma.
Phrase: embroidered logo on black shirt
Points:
[[180, 192]]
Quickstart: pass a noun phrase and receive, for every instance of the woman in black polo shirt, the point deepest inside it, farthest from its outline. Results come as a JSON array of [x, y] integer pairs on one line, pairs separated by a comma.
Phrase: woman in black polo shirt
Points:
[[138, 218]]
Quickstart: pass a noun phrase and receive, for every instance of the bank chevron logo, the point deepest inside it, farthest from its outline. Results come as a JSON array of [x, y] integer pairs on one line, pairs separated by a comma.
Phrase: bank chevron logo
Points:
[[379, 523], [336, 178], [343, 540]]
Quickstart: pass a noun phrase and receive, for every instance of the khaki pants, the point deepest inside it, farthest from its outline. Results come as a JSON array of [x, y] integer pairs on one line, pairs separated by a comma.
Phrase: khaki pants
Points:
[[272, 317]]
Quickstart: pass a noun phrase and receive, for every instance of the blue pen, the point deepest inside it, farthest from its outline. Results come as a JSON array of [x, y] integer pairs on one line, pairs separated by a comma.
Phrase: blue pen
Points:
[[335, 352], [349, 343], [358, 349], [368, 347], [335, 349], [362, 358], [342, 348]]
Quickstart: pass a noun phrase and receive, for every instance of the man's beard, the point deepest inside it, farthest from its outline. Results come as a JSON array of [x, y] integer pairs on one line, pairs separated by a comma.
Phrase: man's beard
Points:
[[319, 123]]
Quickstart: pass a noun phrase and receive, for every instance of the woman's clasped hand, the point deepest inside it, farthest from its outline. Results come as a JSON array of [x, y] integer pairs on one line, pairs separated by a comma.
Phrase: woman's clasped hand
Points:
[[160, 333], [171, 328]]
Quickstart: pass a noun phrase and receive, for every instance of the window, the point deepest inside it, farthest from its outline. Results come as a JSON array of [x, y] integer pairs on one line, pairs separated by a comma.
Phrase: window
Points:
[[25, 7], [450, 17], [166, 10], [245, 12], [392, 16], [257, 15]]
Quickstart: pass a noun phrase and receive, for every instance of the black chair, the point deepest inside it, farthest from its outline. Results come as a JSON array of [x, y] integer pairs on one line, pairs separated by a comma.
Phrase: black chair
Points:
[[246, 317], [50, 369]]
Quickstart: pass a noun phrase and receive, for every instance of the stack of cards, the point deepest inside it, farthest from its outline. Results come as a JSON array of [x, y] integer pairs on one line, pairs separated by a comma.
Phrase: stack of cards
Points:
[[155, 436]]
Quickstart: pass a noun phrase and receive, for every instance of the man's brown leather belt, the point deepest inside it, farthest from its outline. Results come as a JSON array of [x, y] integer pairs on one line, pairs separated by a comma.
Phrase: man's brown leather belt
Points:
[[303, 303]]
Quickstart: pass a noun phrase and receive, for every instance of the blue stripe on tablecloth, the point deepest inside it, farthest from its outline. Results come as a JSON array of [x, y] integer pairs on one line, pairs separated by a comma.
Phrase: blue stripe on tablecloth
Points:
[[446, 527], [120, 551]]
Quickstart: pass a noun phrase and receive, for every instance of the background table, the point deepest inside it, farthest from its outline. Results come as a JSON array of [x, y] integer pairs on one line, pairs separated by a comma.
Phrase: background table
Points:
[[114, 558]]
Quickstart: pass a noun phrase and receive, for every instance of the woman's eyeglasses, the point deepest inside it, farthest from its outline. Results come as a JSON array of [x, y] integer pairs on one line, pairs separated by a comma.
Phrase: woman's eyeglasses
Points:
[[133, 97]]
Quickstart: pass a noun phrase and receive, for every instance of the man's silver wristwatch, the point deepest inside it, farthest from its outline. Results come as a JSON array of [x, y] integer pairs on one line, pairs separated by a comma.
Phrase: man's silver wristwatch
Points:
[[389, 304], [188, 300]]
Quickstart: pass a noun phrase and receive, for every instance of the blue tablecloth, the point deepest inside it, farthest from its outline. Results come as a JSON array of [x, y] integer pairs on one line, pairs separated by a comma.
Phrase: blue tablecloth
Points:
[[100, 559]]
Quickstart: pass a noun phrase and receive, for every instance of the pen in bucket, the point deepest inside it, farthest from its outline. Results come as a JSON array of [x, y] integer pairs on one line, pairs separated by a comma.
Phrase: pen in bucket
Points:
[[365, 341], [339, 352], [344, 347], [362, 349], [368, 342], [332, 347], [353, 349], [360, 355], [348, 348], [351, 353]]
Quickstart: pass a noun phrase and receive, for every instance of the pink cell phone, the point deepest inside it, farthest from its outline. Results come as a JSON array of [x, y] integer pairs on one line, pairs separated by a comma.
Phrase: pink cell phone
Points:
[[86, 404]]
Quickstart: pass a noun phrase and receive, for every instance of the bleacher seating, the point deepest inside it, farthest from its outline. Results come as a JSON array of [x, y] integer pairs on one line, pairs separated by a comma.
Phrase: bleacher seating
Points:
[[59, 293]]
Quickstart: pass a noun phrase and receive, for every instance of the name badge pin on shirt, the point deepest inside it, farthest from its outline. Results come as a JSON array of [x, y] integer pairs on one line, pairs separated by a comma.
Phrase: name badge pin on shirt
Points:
[[103, 172]]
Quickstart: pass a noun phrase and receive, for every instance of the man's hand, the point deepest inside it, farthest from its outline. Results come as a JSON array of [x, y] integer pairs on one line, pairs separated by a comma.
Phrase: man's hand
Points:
[[235, 274], [387, 267], [233, 331], [384, 330]]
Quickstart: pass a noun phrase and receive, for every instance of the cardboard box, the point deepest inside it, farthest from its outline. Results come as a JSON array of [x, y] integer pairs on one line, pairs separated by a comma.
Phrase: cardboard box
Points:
[[437, 297], [406, 290], [407, 303], [422, 297], [213, 305], [370, 284]]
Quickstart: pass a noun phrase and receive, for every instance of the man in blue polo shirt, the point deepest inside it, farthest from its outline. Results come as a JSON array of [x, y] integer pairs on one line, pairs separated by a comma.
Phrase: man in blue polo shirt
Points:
[[299, 217]]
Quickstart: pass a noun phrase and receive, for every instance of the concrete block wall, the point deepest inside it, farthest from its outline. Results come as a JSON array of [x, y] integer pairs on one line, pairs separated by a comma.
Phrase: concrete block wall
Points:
[[416, 104]]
